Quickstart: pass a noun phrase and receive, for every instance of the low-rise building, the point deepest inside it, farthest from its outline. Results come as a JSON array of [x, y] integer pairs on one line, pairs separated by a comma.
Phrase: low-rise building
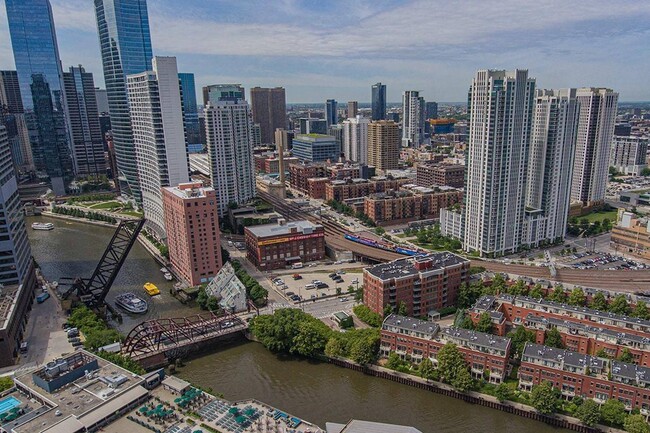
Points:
[[413, 339], [410, 203], [422, 283], [301, 173], [439, 174], [632, 234], [341, 190], [316, 147], [452, 223], [276, 246], [316, 187], [585, 376], [227, 288]]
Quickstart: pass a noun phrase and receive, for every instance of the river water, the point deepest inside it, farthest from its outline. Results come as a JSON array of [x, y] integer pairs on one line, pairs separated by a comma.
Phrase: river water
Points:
[[314, 391]]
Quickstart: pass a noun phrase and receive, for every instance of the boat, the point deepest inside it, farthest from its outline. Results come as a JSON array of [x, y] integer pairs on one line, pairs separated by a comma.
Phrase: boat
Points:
[[131, 303], [151, 289], [164, 270], [42, 226], [168, 276]]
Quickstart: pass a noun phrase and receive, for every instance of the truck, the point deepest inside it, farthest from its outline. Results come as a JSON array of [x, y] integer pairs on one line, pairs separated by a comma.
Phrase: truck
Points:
[[297, 265], [42, 297]]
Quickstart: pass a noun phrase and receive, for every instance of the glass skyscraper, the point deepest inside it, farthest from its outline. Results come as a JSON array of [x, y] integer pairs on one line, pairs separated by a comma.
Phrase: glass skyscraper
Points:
[[190, 110], [125, 42], [38, 66], [378, 101]]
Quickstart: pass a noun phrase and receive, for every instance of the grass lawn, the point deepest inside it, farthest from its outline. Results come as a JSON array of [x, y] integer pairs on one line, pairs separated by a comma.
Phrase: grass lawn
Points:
[[132, 213], [600, 215], [106, 205]]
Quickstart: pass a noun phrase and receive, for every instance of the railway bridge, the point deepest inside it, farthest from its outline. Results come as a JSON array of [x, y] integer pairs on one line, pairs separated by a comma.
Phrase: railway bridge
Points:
[[155, 342]]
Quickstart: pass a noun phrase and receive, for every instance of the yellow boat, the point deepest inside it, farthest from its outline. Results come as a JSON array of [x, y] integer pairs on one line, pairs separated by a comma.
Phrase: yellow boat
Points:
[[151, 289]]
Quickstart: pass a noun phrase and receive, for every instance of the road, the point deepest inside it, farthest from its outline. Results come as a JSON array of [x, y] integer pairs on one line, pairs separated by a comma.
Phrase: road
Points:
[[616, 280]]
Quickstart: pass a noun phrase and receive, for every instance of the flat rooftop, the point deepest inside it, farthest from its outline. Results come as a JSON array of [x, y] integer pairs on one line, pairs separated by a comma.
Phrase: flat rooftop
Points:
[[566, 357], [8, 299], [406, 267], [411, 324], [476, 338], [268, 230]]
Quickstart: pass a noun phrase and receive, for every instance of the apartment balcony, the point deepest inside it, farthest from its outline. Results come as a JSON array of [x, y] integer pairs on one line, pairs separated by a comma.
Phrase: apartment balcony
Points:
[[568, 393], [477, 370], [644, 411], [401, 352], [599, 400], [417, 356]]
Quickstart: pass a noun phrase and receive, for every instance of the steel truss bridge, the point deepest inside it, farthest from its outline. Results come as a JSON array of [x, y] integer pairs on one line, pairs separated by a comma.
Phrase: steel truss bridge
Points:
[[171, 335]]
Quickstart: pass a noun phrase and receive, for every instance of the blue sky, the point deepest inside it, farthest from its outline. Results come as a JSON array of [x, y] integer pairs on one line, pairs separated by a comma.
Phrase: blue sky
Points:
[[336, 49]]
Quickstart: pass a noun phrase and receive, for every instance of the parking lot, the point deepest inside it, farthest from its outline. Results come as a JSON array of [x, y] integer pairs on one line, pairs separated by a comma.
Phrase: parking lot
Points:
[[314, 285], [602, 261]]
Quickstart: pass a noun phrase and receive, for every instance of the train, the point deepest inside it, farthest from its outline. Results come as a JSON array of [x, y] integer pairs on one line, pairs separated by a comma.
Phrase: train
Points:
[[384, 245]]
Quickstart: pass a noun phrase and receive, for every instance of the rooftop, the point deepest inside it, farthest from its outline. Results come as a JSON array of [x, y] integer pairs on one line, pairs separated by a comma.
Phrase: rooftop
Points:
[[478, 338], [427, 328], [565, 357], [407, 267], [190, 190], [622, 371], [267, 230], [8, 297]]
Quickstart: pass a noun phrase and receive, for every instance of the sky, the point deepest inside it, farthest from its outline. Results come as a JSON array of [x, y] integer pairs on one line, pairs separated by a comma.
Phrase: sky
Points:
[[323, 49]]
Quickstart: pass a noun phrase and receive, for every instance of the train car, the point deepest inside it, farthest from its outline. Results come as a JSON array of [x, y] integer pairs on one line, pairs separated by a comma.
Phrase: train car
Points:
[[383, 245]]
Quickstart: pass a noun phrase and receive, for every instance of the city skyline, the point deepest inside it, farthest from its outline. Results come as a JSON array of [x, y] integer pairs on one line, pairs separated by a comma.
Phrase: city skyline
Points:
[[269, 45]]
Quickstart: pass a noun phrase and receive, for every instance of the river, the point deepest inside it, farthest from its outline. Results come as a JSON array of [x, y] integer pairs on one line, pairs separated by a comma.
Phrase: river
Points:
[[314, 391], [73, 249]]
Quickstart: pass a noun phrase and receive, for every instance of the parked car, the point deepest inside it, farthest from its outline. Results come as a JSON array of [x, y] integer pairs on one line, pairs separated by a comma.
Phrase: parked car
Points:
[[290, 294]]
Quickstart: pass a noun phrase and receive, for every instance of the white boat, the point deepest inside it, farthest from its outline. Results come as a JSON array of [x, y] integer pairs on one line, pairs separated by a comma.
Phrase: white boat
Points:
[[131, 303], [164, 270], [42, 226], [168, 276]]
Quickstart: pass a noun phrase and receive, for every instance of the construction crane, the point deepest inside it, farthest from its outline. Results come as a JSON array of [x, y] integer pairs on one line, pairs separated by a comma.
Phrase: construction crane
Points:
[[93, 291]]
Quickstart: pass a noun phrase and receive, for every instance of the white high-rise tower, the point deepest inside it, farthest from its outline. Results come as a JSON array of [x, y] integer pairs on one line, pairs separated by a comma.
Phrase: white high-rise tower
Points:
[[355, 139], [156, 109], [412, 118], [500, 108]]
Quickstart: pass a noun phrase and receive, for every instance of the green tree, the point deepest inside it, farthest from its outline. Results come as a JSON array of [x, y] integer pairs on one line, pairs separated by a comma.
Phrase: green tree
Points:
[[503, 392], [213, 303], [601, 353], [598, 302], [276, 332], [311, 339], [388, 310], [427, 370], [499, 284], [519, 337], [364, 350], [613, 412], [636, 423], [588, 412], [484, 323], [462, 380], [641, 311], [334, 348], [451, 364], [537, 291], [394, 361], [6, 382], [577, 297], [545, 398], [553, 338], [619, 305], [626, 356], [367, 316], [519, 288], [402, 310], [558, 295], [379, 231]]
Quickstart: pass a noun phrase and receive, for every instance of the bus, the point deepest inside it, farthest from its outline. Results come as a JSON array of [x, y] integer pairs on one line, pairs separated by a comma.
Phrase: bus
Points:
[[297, 265]]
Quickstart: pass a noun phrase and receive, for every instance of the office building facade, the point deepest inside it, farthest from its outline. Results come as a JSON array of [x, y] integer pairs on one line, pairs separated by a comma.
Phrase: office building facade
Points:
[[190, 109], [156, 108], [383, 145], [596, 119], [500, 107], [629, 154], [38, 67], [378, 103], [353, 109], [331, 112], [125, 43], [12, 116], [193, 236], [316, 148], [412, 119], [269, 108], [229, 137], [355, 139], [85, 130], [223, 92]]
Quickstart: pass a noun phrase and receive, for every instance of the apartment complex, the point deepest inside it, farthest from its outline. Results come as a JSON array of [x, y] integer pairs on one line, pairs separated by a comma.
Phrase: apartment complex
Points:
[[156, 108], [423, 283], [629, 154], [193, 236], [383, 145], [350, 188], [580, 375], [269, 108], [228, 127], [596, 119], [355, 139], [438, 174], [276, 246], [410, 203], [415, 339], [412, 118], [300, 174]]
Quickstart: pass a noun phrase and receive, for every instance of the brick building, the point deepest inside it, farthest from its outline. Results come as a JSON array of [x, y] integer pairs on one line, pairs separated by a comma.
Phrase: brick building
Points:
[[316, 187], [341, 190], [415, 339], [423, 283], [429, 175], [276, 246], [301, 173], [632, 234], [580, 375], [344, 171], [192, 224], [583, 330], [410, 203]]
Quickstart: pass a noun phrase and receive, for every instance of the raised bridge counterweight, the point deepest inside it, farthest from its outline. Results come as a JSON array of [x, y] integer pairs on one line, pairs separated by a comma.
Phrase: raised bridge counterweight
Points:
[[94, 290]]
